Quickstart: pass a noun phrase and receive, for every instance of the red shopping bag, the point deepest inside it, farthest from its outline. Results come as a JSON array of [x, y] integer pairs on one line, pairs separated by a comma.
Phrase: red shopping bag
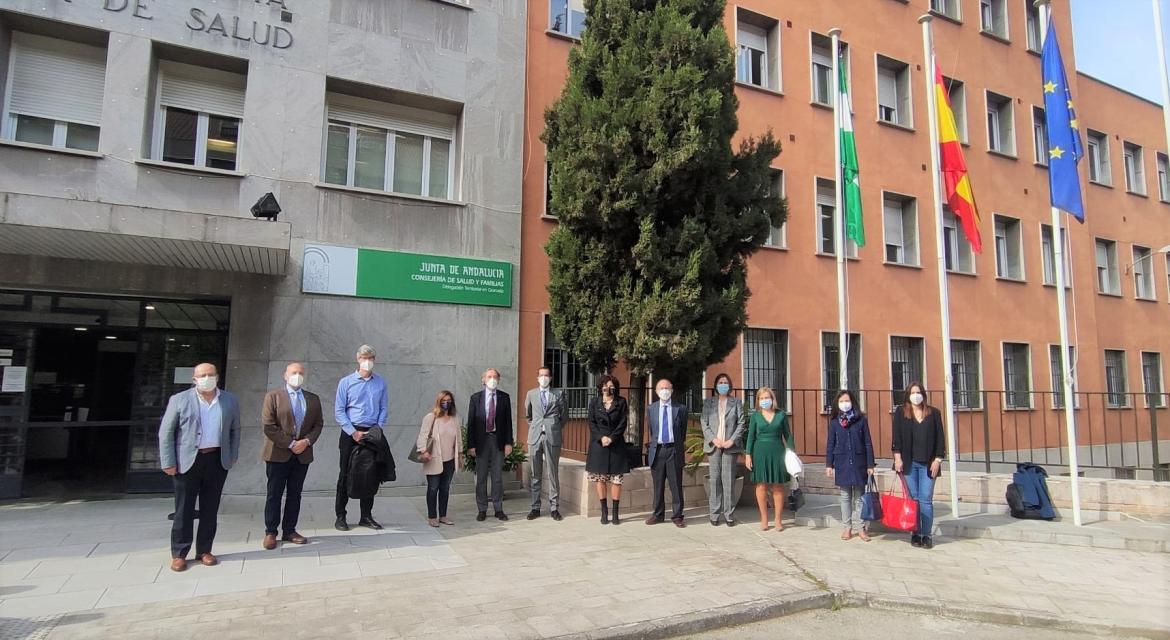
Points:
[[900, 513]]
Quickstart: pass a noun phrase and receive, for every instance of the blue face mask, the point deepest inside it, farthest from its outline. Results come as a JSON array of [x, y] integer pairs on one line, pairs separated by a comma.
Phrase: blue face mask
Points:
[[723, 388], [766, 403]]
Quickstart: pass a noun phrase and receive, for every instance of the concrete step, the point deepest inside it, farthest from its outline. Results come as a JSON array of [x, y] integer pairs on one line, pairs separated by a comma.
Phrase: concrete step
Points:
[[1101, 530]]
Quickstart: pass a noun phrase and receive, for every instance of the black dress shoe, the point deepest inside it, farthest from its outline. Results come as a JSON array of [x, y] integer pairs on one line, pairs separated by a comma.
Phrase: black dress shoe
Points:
[[500, 515], [927, 542], [341, 524], [481, 516], [731, 523], [534, 514], [916, 540], [556, 515], [370, 522], [714, 523]]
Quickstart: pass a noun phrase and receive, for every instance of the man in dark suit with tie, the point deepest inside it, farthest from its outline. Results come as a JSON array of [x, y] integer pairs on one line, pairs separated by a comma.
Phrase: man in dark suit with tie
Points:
[[292, 422], [668, 432], [489, 441]]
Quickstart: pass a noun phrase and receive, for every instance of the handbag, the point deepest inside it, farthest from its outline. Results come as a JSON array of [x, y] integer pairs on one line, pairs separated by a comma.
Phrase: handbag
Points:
[[900, 513], [415, 455], [792, 462], [871, 501], [795, 499]]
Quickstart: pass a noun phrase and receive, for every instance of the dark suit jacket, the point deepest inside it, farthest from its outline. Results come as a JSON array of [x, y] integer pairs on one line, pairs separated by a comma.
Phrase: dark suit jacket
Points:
[[477, 420], [678, 425], [276, 418]]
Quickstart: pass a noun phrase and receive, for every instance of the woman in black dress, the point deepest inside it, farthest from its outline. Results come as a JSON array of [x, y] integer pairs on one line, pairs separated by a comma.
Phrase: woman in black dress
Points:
[[606, 461]]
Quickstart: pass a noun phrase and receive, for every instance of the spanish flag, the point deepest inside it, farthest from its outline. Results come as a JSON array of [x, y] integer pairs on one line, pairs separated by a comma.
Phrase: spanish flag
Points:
[[954, 168]]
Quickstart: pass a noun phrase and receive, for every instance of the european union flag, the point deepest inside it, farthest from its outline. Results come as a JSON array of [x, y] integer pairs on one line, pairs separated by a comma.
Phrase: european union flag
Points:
[[1064, 139]]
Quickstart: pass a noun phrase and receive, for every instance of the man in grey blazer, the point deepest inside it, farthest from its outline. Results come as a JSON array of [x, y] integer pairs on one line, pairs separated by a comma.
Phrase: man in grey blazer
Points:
[[198, 441], [544, 408]]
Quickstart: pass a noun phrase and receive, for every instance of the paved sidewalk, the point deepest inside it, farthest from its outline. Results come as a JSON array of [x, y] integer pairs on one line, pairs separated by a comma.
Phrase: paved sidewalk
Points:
[[521, 579]]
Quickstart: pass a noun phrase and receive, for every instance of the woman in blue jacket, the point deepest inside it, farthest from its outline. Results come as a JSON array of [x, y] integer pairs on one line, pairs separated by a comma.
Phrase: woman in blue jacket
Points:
[[849, 460]]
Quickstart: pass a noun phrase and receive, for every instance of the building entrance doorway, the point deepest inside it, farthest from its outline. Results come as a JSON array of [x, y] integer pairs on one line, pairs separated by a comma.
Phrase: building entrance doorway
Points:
[[85, 382]]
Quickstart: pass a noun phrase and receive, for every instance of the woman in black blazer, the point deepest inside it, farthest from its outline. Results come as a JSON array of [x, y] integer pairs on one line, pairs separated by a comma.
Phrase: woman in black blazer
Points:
[[919, 448], [606, 461]]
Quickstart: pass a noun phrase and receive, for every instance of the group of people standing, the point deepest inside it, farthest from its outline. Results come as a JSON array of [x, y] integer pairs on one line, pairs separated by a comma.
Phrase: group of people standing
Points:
[[199, 441]]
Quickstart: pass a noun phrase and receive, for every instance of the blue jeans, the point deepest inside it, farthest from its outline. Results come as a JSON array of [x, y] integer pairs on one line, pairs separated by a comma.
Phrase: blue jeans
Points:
[[921, 487]]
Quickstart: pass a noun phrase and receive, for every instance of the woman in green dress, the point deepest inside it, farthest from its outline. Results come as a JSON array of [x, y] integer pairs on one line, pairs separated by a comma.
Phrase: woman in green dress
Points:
[[769, 435]]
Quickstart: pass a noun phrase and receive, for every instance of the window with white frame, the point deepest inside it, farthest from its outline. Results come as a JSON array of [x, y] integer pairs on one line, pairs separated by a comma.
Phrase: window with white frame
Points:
[[948, 8], [900, 222], [831, 367], [765, 364], [957, 94], [1009, 259], [568, 373], [822, 69], [757, 44], [1108, 278], [894, 91], [1017, 376], [1057, 371], [778, 236], [965, 374], [1163, 178], [1001, 128], [389, 147], [906, 364], [55, 92], [1116, 383], [1135, 174], [1143, 273], [567, 17], [1152, 379], [993, 17], [1032, 24], [199, 115], [1048, 255], [1040, 136], [957, 251], [827, 220], [1097, 153]]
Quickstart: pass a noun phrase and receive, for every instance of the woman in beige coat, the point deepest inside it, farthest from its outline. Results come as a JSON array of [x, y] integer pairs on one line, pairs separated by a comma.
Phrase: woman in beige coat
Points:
[[440, 443]]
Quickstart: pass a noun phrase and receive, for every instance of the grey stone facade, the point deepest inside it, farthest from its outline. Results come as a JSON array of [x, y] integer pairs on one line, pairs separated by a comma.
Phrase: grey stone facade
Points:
[[470, 58]]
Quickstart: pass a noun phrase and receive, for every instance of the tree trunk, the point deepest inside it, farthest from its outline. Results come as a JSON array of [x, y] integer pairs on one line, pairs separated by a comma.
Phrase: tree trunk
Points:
[[636, 399]]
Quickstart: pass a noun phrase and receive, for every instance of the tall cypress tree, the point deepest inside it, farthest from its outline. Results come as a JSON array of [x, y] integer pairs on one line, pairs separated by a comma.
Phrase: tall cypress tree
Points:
[[658, 213]]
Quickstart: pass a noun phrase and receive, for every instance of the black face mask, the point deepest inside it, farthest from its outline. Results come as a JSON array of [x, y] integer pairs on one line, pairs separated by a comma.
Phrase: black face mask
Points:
[[445, 405], [609, 391]]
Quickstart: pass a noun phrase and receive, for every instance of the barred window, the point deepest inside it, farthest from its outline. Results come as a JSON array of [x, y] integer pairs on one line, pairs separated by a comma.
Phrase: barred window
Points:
[[965, 374], [765, 364], [1115, 382], [1058, 376], [830, 359], [1016, 377], [906, 364]]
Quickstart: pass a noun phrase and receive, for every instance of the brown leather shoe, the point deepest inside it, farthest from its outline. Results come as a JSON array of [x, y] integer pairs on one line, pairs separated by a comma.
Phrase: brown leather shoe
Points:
[[269, 541], [679, 522], [208, 560], [653, 520], [295, 538], [178, 564]]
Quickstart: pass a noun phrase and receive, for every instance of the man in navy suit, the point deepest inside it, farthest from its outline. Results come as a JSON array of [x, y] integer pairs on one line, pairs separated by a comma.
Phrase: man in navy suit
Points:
[[489, 440], [668, 432]]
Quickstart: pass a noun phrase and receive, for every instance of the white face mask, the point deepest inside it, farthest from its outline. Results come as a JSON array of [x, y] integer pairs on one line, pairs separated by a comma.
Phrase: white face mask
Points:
[[366, 365], [543, 381], [492, 383], [916, 398], [845, 407], [296, 380], [206, 383], [664, 394], [766, 403]]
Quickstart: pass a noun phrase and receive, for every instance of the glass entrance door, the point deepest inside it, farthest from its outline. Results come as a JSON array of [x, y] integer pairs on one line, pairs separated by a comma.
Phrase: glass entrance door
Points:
[[15, 349]]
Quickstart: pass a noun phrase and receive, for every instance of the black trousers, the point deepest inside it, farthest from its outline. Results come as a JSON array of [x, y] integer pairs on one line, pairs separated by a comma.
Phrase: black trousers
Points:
[[288, 475], [439, 490], [346, 446], [667, 467], [202, 482]]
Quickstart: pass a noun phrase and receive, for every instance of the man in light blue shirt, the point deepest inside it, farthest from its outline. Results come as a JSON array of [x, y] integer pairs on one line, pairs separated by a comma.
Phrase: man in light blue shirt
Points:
[[362, 402]]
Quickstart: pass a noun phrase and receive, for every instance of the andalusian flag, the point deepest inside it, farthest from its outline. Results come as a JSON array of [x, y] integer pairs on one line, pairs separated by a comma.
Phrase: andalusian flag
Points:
[[854, 230], [953, 168]]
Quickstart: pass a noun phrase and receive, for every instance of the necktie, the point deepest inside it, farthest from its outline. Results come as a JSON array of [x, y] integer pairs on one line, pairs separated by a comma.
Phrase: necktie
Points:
[[544, 399], [491, 416], [664, 425], [298, 411]]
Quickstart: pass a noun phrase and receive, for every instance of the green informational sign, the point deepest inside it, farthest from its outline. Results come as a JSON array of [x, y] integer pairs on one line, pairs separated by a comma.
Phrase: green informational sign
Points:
[[391, 275]]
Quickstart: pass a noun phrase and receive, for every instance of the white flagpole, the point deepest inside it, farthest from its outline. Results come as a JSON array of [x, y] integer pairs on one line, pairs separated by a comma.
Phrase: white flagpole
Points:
[[839, 209], [1062, 313], [943, 298], [1162, 70]]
